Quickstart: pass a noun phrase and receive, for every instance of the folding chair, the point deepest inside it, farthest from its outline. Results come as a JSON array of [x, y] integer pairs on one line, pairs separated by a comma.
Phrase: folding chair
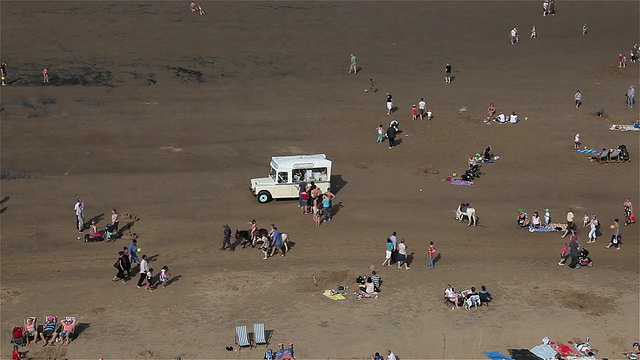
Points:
[[258, 335], [242, 339]]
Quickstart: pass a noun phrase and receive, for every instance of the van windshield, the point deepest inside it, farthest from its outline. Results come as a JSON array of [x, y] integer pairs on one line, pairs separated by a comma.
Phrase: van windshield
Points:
[[272, 174]]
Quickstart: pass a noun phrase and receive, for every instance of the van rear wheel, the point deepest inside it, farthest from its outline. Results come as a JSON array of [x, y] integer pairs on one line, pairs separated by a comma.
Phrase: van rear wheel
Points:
[[264, 197]]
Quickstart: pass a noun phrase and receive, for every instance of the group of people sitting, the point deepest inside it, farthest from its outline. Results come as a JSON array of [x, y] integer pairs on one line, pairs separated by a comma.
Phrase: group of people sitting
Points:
[[281, 354], [369, 287], [536, 221], [51, 331], [467, 298], [500, 118]]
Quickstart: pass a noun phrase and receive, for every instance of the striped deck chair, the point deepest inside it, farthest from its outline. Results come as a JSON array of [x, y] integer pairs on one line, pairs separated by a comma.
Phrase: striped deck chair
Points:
[[258, 335], [242, 339]]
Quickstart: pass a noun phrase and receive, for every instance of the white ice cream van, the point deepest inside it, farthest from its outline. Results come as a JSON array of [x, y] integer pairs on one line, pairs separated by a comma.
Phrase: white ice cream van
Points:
[[287, 172]]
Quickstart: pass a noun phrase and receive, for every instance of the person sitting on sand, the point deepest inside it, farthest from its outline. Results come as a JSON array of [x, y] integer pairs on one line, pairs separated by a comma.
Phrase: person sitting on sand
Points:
[[487, 155], [451, 295], [94, 233], [485, 296], [535, 220], [513, 119], [491, 112]]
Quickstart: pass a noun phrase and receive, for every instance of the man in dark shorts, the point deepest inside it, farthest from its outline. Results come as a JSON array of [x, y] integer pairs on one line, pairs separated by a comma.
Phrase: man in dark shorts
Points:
[[447, 73]]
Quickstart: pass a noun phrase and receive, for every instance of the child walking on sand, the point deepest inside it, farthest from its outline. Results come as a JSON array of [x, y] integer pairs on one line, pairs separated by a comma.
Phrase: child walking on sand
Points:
[[380, 131], [147, 284], [576, 141], [414, 112], [564, 254], [164, 276]]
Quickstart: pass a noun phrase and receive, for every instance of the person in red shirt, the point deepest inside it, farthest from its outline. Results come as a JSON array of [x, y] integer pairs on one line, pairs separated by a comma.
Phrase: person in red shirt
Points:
[[432, 255], [414, 112]]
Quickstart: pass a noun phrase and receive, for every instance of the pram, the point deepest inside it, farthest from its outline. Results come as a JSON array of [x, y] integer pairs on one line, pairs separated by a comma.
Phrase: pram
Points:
[[584, 259], [472, 173], [624, 153]]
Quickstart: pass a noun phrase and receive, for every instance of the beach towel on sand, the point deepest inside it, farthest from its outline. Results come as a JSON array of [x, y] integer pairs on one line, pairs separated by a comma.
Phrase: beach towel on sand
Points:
[[544, 351], [328, 294], [588, 151], [494, 355], [543, 229], [624, 128], [461, 182]]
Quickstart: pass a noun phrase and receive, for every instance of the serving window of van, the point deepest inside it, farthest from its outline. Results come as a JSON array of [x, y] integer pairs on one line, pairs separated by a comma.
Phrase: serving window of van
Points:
[[315, 174]]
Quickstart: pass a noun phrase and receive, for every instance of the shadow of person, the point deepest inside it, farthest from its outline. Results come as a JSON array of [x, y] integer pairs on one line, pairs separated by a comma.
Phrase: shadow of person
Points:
[[437, 258]]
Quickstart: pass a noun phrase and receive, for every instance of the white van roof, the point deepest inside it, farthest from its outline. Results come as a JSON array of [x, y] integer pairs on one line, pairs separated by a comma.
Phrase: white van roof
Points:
[[300, 161]]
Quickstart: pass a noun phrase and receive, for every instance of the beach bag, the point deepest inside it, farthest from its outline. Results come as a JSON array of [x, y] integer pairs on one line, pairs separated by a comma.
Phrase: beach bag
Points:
[[17, 333]]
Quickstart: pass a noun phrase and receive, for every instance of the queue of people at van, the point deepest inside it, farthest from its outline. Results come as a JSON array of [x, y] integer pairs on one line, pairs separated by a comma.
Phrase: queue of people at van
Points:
[[311, 200]]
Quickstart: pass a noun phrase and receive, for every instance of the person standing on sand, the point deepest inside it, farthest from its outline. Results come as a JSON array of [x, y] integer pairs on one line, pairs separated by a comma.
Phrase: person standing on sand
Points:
[[414, 112], [353, 64], [45, 75], [422, 107], [391, 135], [578, 98], [447, 73], [133, 251], [380, 132], [394, 248], [616, 237], [389, 103], [373, 87], [388, 252], [584, 29], [226, 243], [78, 209], [402, 255], [127, 262], [432, 255], [574, 250], [563, 254], [534, 33], [594, 226], [115, 219], [120, 266], [631, 97], [3, 73], [144, 267], [629, 216]]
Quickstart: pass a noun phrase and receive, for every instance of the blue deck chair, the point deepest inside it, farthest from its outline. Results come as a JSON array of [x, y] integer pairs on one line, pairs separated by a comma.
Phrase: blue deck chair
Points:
[[258, 334], [242, 339]]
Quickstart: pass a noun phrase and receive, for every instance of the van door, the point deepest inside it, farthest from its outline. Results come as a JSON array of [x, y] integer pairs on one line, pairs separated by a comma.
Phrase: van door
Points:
[[284, 186]]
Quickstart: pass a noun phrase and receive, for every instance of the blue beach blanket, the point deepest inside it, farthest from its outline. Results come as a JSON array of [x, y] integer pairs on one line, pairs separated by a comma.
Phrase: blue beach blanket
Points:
[[494, 355], [587, 151], [542, 229]]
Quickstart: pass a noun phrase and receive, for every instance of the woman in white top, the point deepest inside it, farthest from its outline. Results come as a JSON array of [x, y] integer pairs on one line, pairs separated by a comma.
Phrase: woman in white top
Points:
[[535, 220], [451, 295]]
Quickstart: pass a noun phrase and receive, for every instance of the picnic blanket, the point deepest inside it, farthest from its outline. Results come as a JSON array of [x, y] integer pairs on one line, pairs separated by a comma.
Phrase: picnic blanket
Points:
[[624, 128], [494, 355], [461, 182], [588, 151], [542, 229], [544, 352], [332, 295]]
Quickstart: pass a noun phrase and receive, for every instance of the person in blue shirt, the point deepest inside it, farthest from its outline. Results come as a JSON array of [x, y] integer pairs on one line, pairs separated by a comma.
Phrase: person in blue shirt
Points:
[[276, 239], [133, 251], [377, 356]]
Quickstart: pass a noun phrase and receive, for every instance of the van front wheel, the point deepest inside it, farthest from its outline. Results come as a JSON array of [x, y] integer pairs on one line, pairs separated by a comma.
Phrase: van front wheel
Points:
[[264, 197]]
